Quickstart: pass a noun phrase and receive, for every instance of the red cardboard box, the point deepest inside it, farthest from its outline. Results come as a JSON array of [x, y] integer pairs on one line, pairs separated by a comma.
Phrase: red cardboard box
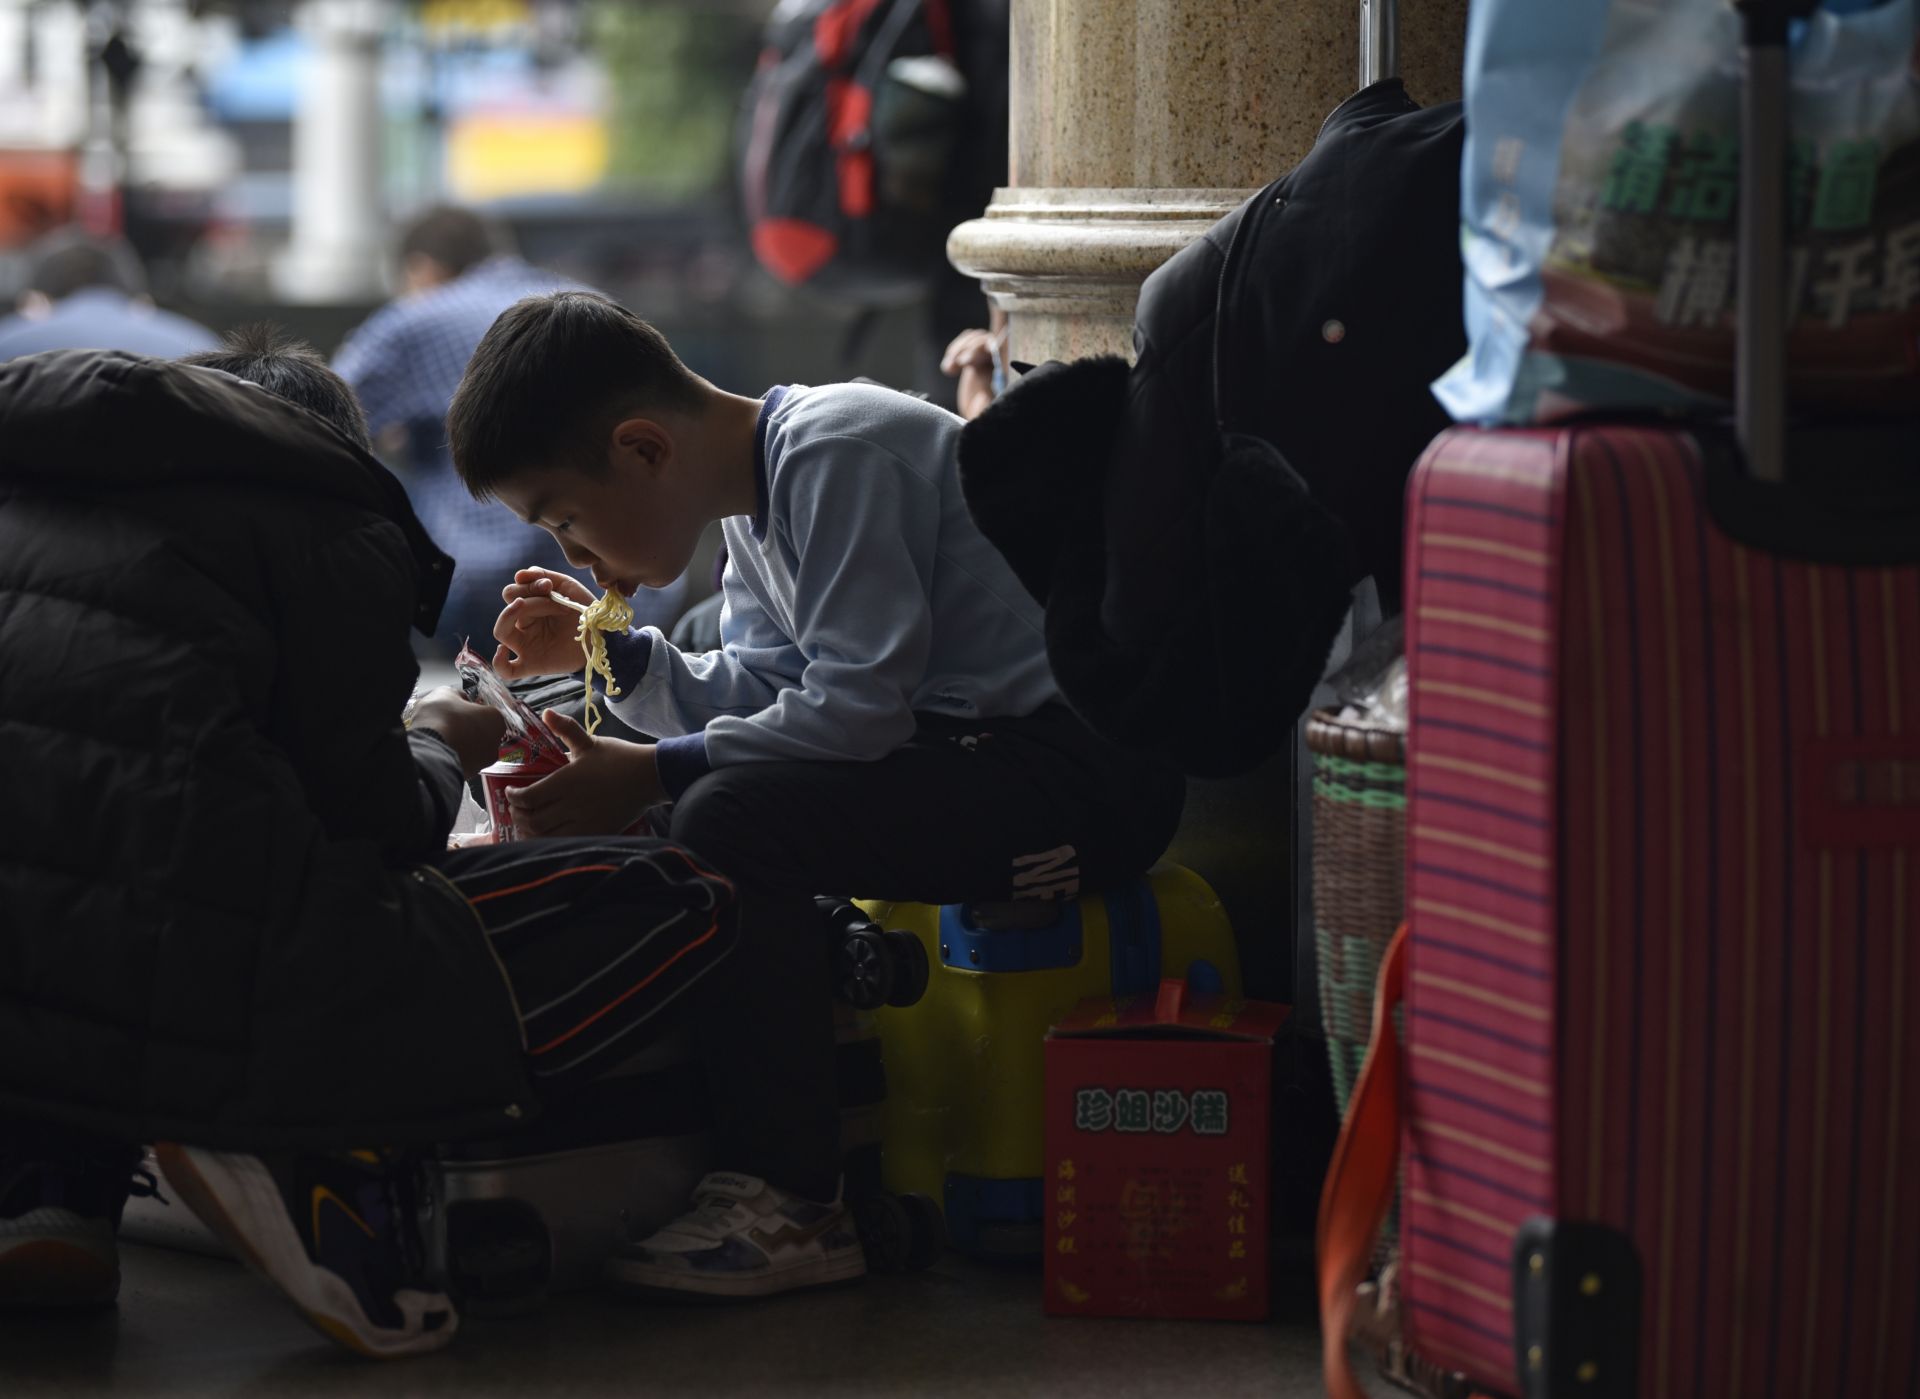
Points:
[[1157, 1119]]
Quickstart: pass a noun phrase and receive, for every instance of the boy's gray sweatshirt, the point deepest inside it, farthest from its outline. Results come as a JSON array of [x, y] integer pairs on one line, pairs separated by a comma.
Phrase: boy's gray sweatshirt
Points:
[[858, 592]]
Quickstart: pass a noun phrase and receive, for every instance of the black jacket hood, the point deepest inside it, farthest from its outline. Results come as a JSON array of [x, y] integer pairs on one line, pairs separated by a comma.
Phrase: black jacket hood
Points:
[[104, 419], [217, 921]]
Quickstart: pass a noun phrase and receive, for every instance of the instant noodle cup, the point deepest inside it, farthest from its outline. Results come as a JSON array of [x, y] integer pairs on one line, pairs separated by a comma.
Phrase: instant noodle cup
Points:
[[502, 778]]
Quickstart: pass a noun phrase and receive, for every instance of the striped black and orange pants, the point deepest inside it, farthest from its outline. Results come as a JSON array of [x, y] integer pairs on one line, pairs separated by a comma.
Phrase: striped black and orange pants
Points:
[[599, 938]]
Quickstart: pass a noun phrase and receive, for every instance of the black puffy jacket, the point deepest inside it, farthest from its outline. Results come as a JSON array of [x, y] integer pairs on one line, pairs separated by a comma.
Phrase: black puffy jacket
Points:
[[1195, 523], [214, 924]]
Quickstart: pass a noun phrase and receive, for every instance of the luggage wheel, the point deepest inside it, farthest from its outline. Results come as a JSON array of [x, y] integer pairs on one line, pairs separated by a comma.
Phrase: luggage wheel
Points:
[[900, 1233], [874, 967]]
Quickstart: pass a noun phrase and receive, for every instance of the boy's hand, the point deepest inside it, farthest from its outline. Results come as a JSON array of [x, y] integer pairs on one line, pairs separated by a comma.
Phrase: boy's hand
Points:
[[602, 791], [474, 730], [537, 634]]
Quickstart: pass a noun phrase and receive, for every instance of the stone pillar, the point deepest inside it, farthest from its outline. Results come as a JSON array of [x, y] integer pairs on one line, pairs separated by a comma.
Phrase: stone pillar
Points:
[[14, 48], [1137, 124], [338, 250]]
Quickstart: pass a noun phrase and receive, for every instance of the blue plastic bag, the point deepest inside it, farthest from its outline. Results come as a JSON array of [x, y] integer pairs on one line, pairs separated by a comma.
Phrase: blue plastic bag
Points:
[[1599, 196]]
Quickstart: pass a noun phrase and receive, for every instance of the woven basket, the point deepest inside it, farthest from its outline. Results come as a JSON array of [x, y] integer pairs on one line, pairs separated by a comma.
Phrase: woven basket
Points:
[[1359, 847]]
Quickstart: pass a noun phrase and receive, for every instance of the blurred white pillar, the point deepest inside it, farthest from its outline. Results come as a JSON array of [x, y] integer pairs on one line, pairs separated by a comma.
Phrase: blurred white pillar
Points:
[[339, 239], [171, 142], [13, 45], [60, 71]]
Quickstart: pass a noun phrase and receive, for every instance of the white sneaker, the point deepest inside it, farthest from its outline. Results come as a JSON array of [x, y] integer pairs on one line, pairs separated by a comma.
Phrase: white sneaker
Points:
[[339, 1235], [743, 1238]]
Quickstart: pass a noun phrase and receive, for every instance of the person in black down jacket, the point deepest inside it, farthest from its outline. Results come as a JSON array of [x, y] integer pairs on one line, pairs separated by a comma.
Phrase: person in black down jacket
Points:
[[1195, 524], [230, 920]]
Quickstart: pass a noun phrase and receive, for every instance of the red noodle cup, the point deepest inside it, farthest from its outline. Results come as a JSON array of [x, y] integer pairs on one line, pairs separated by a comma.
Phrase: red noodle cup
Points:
[[502, 778]]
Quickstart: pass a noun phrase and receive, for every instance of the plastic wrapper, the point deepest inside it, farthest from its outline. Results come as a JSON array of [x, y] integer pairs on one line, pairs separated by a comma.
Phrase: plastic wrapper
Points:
[[528, 739], [1371, 688], [1600, 190], [1385, 705], [471, 825]]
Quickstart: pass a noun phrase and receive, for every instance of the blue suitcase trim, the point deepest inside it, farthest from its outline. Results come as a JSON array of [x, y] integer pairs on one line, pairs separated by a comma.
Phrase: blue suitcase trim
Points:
[[1133, 921], [974, 949], [975, 1204], [1133, 929]]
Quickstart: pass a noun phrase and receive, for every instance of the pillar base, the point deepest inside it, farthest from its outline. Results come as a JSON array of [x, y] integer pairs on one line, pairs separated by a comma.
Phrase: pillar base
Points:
[[1066, 265]]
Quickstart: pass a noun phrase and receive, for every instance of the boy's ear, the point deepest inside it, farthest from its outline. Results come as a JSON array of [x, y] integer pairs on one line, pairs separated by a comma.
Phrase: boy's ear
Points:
[[641, 442]]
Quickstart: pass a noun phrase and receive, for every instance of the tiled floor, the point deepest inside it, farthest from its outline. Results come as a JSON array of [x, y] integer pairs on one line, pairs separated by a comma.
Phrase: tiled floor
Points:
[[196, 1326]]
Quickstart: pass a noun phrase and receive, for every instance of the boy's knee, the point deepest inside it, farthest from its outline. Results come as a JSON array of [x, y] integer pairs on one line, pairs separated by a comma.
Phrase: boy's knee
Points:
[[722, 818]]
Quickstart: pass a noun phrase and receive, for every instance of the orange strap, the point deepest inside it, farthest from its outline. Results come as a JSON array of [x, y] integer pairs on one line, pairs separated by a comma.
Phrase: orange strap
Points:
[[1360, 1183]]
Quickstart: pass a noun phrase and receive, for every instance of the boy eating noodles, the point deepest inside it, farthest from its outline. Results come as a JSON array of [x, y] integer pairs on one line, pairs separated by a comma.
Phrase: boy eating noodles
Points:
[[880, 719]]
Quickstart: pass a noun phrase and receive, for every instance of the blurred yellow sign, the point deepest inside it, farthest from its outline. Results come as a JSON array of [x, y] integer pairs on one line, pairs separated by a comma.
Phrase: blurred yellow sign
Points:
[[467, 16], [496, 155]]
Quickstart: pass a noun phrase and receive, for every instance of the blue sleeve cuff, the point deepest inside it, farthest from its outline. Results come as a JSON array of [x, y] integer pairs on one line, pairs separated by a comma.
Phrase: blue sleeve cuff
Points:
[[683, 762], [628, 656]]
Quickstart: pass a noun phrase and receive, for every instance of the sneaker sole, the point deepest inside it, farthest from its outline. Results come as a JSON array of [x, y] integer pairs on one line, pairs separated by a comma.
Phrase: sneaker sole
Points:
[[235, 1199], [638, 1280], [56, 1273]]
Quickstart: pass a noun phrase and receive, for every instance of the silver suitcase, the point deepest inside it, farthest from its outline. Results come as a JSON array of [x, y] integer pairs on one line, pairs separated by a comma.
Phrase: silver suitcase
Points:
[[514, 1219]]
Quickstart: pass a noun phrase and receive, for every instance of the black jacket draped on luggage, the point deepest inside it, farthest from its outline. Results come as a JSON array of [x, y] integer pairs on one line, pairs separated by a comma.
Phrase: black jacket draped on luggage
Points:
[[214, 923], [1195, 524]]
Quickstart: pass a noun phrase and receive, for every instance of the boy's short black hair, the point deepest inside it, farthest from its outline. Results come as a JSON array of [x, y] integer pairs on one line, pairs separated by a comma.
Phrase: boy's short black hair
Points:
[[549, 381], [265, 355], [455, 238], [70, 260]]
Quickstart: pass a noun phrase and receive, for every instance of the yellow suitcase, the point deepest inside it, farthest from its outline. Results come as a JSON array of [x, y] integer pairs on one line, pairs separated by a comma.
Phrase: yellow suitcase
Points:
[[964, 1073]]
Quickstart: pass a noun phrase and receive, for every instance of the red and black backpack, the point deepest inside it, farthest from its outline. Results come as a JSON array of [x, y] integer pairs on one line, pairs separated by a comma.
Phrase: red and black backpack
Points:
[[846, 144]]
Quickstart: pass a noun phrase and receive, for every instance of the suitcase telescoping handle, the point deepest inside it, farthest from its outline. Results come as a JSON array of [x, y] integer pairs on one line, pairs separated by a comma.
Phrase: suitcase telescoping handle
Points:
[[1760, 349], [1379, 40]]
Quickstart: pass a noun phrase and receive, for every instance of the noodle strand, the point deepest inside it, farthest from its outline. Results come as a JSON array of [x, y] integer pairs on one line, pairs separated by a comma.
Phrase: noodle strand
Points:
[[609, 613]]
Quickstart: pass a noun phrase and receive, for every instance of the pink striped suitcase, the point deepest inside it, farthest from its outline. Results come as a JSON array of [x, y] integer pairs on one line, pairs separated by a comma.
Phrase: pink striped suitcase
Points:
[[1664, 814], [1659, 1104]]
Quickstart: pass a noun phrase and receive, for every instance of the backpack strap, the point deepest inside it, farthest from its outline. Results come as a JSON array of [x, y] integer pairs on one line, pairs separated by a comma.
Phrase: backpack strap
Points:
[[1363, 1177], [850, 122], [873, 63]]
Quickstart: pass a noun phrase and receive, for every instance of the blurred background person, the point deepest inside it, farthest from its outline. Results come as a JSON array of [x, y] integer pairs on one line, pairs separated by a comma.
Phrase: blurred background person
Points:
[[261, 157], [88, 293], [457, 274]]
